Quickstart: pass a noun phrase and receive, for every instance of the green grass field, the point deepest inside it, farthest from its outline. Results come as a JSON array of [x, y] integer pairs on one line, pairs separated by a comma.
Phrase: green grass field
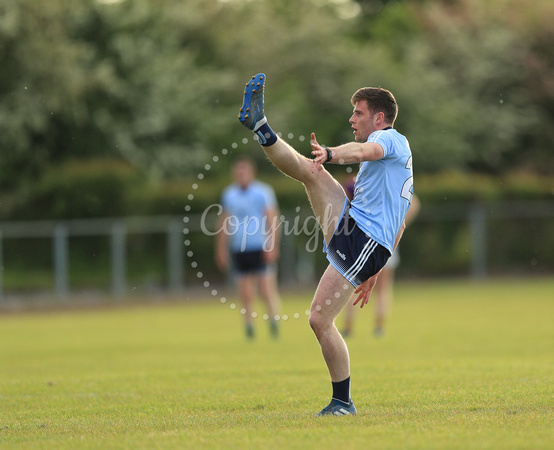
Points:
[[463, 365]]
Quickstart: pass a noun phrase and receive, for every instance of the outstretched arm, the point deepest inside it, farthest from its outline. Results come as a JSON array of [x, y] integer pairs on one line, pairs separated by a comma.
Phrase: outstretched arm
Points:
[[350, 153]]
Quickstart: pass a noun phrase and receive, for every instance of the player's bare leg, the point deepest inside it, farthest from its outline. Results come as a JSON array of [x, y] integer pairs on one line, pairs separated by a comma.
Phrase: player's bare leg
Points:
[[332, 294], [326, 194], [327, 198]]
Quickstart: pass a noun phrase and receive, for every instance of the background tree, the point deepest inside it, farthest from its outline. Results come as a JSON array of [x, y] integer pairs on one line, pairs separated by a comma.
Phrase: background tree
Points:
[[158, 83]]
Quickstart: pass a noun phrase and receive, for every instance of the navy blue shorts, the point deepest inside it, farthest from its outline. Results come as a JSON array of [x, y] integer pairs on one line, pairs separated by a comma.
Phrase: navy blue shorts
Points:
[[353, 253], [249, 262]]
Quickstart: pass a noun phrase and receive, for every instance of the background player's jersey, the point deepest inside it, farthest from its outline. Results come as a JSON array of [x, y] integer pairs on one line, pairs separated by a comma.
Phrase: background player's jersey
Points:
[[247, 209], [384, 188]]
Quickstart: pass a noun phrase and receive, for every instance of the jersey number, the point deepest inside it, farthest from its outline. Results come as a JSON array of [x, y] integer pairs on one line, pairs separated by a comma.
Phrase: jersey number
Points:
[[408, 187]]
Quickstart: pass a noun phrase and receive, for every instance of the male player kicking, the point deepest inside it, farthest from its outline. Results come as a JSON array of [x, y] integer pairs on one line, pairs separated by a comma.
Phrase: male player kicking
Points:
[[360, 235]]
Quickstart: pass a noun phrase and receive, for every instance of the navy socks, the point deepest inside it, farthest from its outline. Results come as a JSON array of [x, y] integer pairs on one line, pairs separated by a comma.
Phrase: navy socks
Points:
[[341, 390]]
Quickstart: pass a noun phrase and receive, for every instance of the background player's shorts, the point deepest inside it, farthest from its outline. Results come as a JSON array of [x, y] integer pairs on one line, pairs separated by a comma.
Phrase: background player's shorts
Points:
[[353, 253], [249, 262]]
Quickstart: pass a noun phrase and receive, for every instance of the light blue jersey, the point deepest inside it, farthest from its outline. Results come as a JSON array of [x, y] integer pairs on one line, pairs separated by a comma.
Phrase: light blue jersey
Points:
[[384, 189], [247, 209]]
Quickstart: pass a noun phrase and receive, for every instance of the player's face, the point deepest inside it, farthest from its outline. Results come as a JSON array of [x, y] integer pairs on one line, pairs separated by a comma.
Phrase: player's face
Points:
[[362, 121], [243, 173]]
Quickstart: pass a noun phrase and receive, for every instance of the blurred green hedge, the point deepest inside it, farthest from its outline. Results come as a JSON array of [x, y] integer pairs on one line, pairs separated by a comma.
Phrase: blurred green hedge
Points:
[[98, 188], [470, 188], [112, 188]]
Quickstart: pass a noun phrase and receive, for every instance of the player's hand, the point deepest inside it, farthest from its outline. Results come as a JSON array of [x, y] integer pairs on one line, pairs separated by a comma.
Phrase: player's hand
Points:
[[320, 154], [364, 290]]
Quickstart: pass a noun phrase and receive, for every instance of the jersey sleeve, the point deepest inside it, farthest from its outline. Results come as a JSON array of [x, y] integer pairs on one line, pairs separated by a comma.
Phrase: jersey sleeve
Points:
[[385, 140]]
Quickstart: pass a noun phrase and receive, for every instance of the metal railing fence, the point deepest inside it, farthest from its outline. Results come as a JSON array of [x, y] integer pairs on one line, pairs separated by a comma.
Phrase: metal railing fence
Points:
[[296, 262]]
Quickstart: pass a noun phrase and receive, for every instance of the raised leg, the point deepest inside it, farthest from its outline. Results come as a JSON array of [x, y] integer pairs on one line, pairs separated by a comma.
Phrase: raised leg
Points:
[[326, 195]]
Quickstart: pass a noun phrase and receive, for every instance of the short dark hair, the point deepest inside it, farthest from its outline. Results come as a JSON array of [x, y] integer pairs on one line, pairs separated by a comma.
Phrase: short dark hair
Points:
[[378, 100], [245, 159]]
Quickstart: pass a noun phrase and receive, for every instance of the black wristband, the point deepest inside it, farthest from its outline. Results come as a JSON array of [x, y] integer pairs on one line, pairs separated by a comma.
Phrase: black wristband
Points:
[[329, 154]]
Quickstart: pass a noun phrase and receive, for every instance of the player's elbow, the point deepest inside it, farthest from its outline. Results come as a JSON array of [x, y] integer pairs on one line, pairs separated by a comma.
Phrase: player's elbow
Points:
[[360, 156]]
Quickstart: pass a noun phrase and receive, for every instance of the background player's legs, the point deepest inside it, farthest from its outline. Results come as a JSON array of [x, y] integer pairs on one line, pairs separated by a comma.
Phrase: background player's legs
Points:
[[383, 299], [246, 289], [349, 316], [270, 294], [332, 294]]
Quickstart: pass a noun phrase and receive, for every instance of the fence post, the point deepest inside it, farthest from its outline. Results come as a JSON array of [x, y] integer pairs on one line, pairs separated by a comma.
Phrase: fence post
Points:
[[119, 284], [175, 255], [60, 260], [478, 238], [1, 268]]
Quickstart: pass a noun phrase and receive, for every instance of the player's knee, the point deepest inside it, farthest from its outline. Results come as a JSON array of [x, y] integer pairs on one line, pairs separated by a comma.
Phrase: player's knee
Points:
[[314, 323], [318, 321], [311, 179]]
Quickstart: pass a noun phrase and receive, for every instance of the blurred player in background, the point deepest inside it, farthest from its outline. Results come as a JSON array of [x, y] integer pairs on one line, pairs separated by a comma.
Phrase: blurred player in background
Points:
[[360, 235], [385, 283], [248, 241]]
